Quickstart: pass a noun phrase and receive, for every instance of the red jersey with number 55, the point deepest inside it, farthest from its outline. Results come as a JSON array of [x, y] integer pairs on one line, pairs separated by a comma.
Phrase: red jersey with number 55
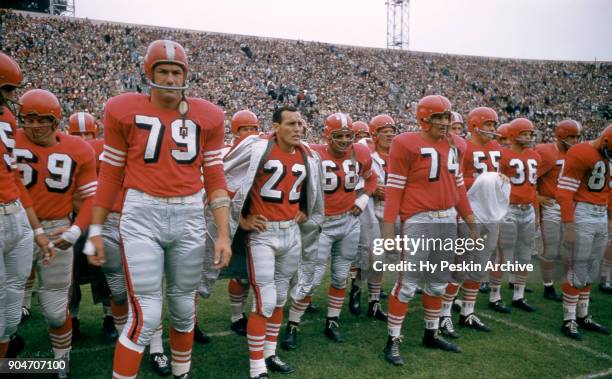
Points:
[[341, 175], [522, 169], [53, 174], [585, 178], [552, 161], [160, 153], [277, 187], [479, 159], [423, 176]]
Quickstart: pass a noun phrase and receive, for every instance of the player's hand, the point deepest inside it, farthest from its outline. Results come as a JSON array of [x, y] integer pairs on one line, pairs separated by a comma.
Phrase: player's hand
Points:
[[46, 247], [355, 211], [64, 237], [545, 200], [94, 251], [223, 253], [569, 236], [253, 222], [300, 217], [379, 194]]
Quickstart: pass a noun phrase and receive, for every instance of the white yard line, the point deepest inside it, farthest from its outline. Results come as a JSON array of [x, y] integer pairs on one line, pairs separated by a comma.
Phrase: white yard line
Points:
[[599, 374]]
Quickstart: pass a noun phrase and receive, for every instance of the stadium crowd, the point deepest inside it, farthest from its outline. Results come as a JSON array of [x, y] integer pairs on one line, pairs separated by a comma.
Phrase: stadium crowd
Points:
[[260, 74]]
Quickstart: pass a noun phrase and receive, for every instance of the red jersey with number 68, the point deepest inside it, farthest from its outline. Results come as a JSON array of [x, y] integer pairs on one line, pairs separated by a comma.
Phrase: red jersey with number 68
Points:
[[585, 178], [423, 176], [479, 159], [277, 187], [522, 169], [552, 161], [53, 174], [160, 153], [341, 174]]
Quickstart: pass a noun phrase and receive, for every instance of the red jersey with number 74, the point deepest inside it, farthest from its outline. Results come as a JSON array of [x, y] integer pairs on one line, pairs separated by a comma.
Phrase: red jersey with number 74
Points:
[[160, 153], [423, 176]]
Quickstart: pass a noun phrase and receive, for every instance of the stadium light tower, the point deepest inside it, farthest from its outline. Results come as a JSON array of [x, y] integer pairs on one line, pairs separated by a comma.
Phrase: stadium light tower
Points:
[[61, 7], [398, 24]]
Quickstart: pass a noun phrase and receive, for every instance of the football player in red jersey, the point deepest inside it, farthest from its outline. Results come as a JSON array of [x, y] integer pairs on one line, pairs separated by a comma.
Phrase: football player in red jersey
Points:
[[457, 125], [503, 135], [382, 128], [424, 187], [361, 130], [156, 147], [522, 165], [343, 163], [482, 155], [16, 237], [55, 166], [553, 156], [282, 214], [583, 193]]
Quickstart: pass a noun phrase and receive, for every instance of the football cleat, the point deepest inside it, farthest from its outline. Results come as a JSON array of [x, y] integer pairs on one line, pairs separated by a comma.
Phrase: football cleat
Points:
[[312, 308], [109, 332], [240, 326], [456, 307], [447, 328], [76, 329], [182, 376], [392, 352], [484, 287], [499, 306], [332, 330], [16, 346], [551, 294], [199, 336], [605, 287], [375, 310], [432, 340], [587, 323], [275, 364], [472, 321], [289, 341], [355, 300], [260, 376], [65, 372], [25, 315], [159, 363], [522, 304], [570, 329]]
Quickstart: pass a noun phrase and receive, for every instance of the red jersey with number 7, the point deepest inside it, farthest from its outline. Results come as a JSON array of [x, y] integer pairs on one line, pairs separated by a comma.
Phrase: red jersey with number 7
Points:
[[423, 176], [552, 161], [160, 153]]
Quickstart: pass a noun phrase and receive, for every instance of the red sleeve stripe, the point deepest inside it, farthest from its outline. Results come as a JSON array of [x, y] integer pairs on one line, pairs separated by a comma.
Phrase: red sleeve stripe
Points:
[[396, 182], [115, 151], [398, 177], [213, 152], [567, 188], [89, 191], [88, 186], [215, 162], [395, 186], [569, 180]]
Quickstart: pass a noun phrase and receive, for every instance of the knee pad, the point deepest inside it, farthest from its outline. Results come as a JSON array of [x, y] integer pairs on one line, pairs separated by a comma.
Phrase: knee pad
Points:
[[406, 292], [182, 312], [435, 289]]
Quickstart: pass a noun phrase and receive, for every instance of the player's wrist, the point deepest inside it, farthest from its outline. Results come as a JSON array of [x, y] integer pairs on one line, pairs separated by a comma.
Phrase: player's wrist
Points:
[[95, 230]]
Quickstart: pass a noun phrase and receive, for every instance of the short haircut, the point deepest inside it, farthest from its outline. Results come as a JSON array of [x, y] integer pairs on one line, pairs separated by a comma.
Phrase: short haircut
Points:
[[277, 116]]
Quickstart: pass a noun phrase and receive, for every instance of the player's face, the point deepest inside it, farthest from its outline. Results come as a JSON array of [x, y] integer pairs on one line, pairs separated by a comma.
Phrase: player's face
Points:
[[524, 136], [361, 135], [39, 129], [245, 131], [171, 75], [85, 136], [456, 128], [341, 141], [503, 141], [9, 92], [571, 140], [440, 124], [289, 130], [384, 136]]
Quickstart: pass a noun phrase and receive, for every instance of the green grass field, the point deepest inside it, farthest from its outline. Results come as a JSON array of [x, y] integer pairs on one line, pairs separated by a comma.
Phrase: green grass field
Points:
[[520, 345]]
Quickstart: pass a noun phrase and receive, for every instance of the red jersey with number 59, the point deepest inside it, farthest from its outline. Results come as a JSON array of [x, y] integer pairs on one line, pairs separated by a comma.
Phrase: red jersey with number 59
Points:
[[522, 169], [340, 176], [585, 178], [552, 161], [479, 159], [277, 187], [423, 176], [53, 174], [160, 153]]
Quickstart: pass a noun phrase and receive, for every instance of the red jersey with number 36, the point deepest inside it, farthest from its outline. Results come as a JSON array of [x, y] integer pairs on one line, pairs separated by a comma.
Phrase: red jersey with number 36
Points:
[[585, 178], [552, 161], [53, 174], [341, 175], [479, 159], [522, 169], [277, 187], [160, 153], [423, 176]]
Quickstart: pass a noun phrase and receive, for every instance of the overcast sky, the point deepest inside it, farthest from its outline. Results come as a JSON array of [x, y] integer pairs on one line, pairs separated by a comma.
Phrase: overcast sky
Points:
[[534, 29]]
